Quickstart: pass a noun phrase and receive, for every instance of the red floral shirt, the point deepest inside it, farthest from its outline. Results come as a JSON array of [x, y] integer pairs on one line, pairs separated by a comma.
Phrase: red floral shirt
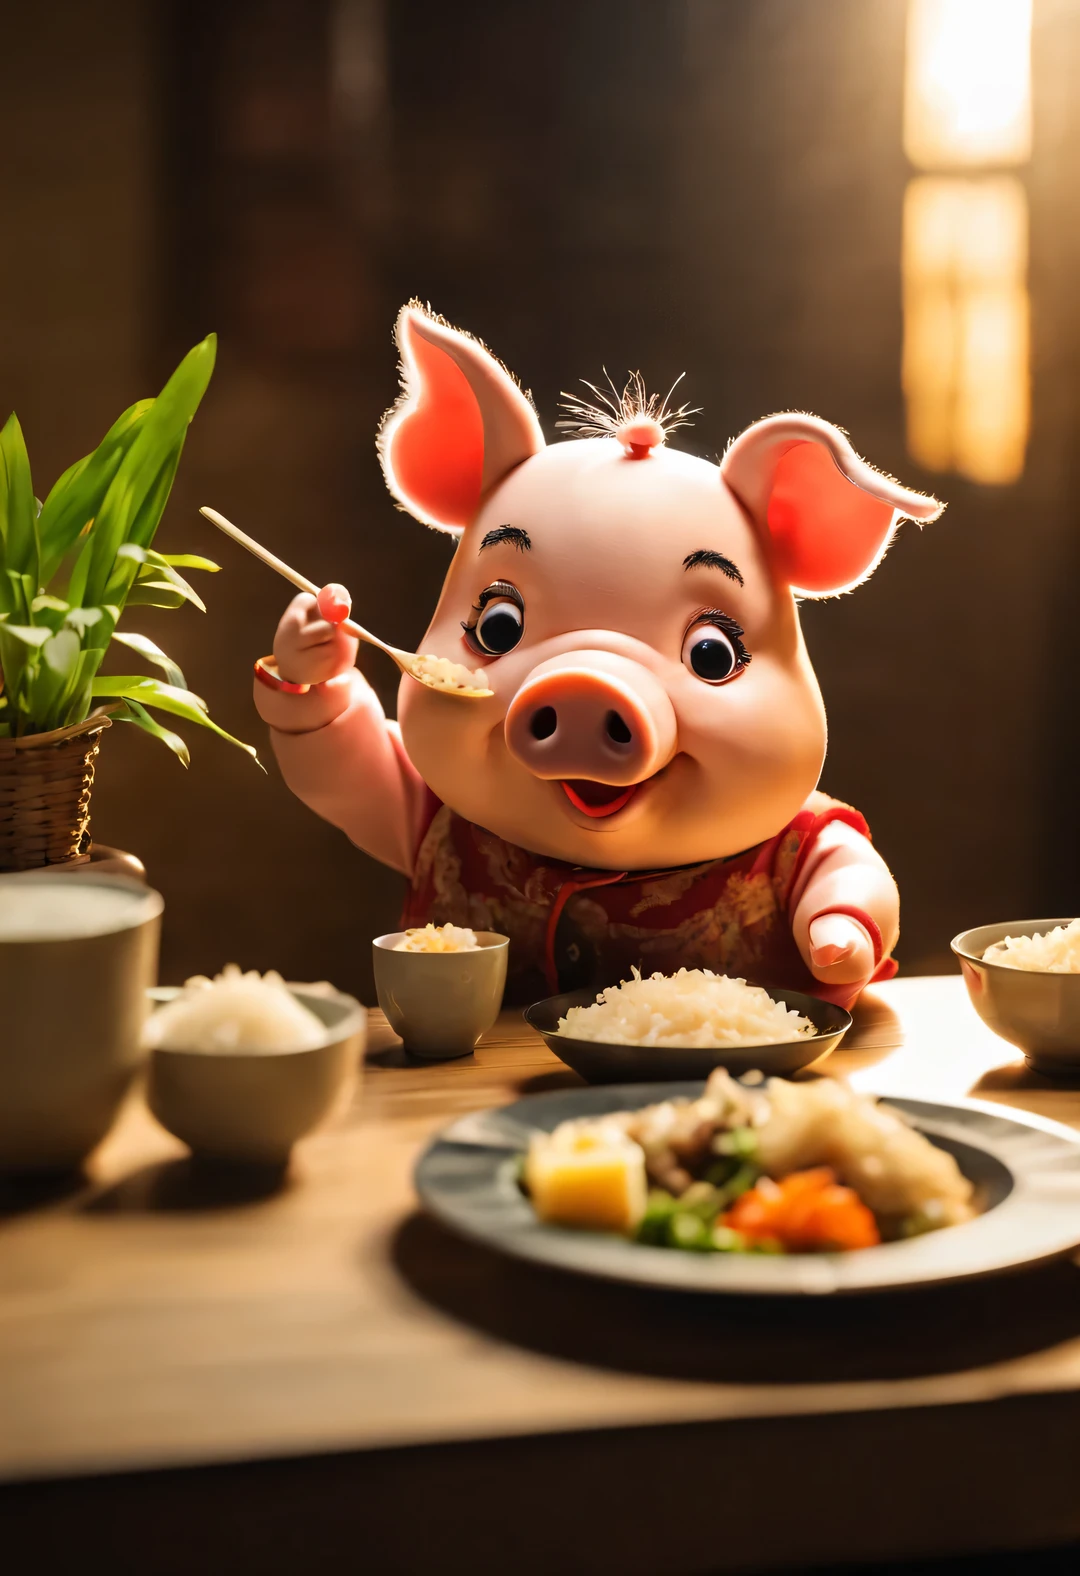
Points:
[[570, 927]]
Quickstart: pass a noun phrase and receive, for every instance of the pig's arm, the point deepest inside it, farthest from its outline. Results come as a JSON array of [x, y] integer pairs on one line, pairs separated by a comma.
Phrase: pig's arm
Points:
[[335, 747], [844, 871], [340, 755]]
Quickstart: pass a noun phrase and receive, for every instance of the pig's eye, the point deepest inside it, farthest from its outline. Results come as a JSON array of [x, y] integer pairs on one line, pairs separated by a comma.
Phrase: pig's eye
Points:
[[498, 620], [713, 648], [499, 627]]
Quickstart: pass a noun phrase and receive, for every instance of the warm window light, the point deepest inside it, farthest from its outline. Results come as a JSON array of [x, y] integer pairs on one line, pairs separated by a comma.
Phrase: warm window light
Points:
[[965, 366], [968, 90]]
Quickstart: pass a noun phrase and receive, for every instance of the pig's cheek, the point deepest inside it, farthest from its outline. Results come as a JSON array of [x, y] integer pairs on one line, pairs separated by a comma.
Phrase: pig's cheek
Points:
[[449, 741], [762, 734]]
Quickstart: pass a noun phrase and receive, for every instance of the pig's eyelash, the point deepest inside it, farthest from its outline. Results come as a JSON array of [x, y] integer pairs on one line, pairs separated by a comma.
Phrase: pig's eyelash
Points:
[[497, 588], [731, 627]]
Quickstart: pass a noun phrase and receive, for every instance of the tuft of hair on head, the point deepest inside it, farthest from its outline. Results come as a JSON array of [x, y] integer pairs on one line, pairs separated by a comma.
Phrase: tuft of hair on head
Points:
[[639, 421]]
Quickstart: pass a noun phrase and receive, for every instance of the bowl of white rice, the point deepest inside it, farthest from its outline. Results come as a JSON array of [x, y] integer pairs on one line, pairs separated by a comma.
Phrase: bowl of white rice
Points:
[[243, 1065], [1023, 979], [683, 1025], [440, 986]]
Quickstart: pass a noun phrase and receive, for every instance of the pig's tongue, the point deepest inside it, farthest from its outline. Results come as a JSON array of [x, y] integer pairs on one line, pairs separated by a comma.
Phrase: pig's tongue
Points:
[[596, 799]]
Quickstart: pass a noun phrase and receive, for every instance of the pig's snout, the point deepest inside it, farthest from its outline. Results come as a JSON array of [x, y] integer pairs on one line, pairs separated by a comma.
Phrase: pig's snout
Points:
[[596, 716]]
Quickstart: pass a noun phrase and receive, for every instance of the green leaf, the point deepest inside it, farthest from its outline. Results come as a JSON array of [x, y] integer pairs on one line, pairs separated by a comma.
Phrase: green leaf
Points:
[[19, 656], [15, 596], [76, 498], [153, 568], [76, 586], [93, 625], [189, 561], [123, 573], [145, 523], [29, 634], [154, 593], [18, 514], [139, 715], [48, 610], [146, 647], [56, 674], [80, 697], [132, 506], [181, 702], [96, 633], [83, 618]]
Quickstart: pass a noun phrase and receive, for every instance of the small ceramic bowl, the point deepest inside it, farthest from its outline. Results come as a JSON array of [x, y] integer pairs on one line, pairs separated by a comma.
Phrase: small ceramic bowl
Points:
[[440, 1002], [1036, 1011], [599, 1062], [252, 1106]]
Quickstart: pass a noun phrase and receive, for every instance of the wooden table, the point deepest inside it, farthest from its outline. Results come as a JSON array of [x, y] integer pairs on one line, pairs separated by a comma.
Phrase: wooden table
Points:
[[233, 1378]]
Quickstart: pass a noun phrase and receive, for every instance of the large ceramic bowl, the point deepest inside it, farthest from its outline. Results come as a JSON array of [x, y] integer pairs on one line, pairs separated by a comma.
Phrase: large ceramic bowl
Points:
[[440, 1002], [601, 1063], [252, 1106], [73, 984], [1036, 1011]]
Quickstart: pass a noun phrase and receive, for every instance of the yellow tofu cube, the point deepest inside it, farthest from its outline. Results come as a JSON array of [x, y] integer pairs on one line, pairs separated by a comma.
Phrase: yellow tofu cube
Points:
[[595, 1182]]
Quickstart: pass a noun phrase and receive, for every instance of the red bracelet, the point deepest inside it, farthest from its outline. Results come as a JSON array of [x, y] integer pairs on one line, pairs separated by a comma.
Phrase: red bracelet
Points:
[[266, 671]]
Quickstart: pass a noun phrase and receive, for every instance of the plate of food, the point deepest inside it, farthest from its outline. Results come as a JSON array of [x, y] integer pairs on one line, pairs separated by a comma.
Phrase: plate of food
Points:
[[759, 1186], [684, 1025]]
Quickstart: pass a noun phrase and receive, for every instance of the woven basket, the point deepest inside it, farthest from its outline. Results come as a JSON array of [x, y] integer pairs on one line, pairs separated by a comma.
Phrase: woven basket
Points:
[[45, 783]]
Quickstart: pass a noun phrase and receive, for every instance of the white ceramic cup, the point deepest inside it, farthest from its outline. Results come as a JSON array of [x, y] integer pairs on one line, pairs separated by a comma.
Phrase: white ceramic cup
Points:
[[440, 1002], [76, 960]]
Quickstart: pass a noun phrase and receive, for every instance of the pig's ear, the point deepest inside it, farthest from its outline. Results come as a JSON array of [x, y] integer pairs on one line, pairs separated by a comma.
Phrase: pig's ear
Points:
[[460, 424], [830, 516]]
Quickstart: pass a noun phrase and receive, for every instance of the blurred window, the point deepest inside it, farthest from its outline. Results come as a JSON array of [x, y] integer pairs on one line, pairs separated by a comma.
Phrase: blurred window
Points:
[[966, 355]]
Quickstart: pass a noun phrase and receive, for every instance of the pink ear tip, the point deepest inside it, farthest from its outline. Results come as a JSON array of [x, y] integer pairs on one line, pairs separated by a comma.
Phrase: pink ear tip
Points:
[[640, 436]]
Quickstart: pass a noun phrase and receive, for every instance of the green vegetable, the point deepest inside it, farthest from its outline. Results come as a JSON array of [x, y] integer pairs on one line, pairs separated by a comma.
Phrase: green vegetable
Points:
[[71, 566], [659, 1207], [918, 1224], [701, 1198], [740, 1182], [689, 1231], [722, 1170], [724, 1240], [741, 1143]]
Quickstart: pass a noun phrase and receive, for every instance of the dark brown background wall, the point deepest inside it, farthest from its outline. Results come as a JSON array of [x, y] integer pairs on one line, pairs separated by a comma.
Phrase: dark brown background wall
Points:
[[708, 185]]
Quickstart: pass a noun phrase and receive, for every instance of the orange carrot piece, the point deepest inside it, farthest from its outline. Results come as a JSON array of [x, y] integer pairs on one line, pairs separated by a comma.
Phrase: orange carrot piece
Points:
[[806, 1211]]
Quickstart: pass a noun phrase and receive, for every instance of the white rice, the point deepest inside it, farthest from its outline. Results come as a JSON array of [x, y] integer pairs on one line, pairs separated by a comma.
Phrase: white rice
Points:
[[1055, 952], [235, 1012], [441, 673], [694, 1007], [438, 938]]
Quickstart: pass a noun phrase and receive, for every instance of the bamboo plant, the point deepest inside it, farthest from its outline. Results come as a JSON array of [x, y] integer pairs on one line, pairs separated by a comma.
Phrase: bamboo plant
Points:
[[72, 566]]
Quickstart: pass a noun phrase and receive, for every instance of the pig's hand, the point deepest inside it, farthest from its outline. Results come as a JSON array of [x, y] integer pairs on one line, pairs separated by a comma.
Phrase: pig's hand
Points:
[[844, 871], [310, 647], [841, 951]]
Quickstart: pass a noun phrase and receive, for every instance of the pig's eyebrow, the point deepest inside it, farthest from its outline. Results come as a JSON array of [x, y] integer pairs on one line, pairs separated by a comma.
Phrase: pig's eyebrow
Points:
[[706, 558], [508, 533]]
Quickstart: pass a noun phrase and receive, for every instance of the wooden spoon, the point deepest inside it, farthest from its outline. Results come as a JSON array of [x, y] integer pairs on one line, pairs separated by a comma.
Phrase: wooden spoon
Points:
[[438, 673]]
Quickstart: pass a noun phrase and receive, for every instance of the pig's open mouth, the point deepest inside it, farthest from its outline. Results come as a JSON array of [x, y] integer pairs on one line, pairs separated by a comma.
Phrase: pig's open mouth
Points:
[[597, 799]]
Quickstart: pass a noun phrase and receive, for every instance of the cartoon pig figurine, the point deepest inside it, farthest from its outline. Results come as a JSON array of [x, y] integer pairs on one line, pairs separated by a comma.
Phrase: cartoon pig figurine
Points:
[[642, 787]]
